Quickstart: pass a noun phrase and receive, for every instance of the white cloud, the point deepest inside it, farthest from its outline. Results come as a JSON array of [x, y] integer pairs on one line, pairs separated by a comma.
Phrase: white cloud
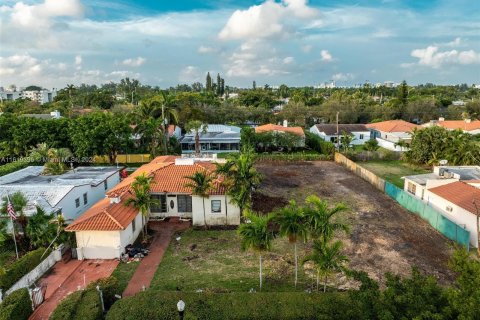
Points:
[[326, 56], [134, 62], [205, 49], [288, 60], [432, 57], [189, 74], [343, 76], [307, 48], [78, 62], [457, 42], [267, 20]]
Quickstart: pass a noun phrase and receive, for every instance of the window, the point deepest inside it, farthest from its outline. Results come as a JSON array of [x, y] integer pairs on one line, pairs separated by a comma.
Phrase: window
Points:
[[161, 205], [184, 203], [216, 206], [412, 188], [362, 136], [133, 225], [105, 184], [85, 198], [77, 202]]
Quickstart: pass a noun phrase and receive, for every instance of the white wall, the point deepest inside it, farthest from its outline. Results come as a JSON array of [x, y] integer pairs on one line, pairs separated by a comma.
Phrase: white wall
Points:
[[357, 135], [172, 211], [458, 215], [419, 191], [390, 145], [98, 244], [128, 236], [231, 211]]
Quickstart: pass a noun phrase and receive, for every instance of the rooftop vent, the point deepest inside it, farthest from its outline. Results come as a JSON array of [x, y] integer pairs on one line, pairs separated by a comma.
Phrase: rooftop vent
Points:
[[184, 161]]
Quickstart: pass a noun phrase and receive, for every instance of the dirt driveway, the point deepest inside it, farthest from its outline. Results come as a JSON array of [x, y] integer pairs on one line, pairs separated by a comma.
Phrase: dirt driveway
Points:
[[384, 237]]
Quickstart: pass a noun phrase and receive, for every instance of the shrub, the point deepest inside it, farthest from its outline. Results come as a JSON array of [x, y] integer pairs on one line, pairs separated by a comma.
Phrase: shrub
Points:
[[21, 267], [316, 143], [66, 308], [79, 305], [240, 305], [12, 167], [17, 305], [109, 287]]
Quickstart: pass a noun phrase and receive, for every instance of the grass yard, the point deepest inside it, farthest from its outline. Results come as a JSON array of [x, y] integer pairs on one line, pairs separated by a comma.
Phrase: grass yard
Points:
[[124, 272], [393, 171], [213, 262]]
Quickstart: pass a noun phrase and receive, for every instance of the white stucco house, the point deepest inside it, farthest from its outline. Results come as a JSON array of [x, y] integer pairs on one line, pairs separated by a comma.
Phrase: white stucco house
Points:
[[328, 132], [466, 125], [390, 133], [109, 226], [217, 138], [460, 202], [441, 175], [70, 194]]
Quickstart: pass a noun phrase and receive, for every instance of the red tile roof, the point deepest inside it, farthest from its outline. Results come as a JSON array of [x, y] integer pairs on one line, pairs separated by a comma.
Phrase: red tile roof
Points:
[[106, 216], [460, 193], [393, 126], [460, 124], [273, 127]]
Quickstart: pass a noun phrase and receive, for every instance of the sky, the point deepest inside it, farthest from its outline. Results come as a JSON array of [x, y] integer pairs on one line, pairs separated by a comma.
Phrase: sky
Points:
[[52, 43]]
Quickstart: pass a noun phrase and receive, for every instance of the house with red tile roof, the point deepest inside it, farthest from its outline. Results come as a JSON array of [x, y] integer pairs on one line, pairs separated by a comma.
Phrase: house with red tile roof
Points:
[[110, 225], [460, 202], [392, 132], [466, 125], [278, 129]]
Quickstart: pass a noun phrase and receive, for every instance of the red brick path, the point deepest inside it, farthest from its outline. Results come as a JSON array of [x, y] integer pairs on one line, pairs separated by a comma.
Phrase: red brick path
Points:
[[66, 278], [144, 274]]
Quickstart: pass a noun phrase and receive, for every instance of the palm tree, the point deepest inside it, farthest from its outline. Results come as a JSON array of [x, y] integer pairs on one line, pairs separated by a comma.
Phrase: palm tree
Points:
[[320, 218], [142, 200], [327, 260], [201, 184], [290, 220], [224, 170], [196, 126], [19, 202], [40, 229], [169, 115], [244, 178], [256, 236]]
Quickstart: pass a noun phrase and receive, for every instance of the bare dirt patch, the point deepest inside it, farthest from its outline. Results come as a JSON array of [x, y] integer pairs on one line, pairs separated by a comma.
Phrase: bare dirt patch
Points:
[[384, 236]]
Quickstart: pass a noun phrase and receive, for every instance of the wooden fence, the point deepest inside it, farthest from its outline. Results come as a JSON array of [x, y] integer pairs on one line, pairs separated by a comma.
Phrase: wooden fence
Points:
[[124, 158], [365, 174]]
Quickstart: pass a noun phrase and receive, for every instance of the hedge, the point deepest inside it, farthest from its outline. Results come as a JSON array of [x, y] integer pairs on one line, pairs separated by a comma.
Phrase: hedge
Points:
[[17, 305], [153, 304], [316, 143], [12, 167], [293, 157], [21, 267], [86, 304]]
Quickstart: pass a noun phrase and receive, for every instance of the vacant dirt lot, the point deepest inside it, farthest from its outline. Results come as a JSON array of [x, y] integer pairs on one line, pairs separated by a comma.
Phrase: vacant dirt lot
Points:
[[384, 237]]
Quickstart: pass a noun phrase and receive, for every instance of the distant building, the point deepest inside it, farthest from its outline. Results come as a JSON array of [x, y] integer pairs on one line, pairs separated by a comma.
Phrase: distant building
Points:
[[298, 131], [328, 132], [71, 193], [217, 138], [390, 133], [40, 96], [467, 125], [10, 95], [46, 116], [458, 103]]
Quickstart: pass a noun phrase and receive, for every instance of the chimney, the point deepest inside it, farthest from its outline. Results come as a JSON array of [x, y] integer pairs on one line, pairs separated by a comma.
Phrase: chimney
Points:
[[114, 200], [285, 123], [441, 119]]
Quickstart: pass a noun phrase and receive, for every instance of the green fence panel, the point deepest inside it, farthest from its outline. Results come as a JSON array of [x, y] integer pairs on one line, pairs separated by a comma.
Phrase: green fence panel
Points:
[[441, 223]]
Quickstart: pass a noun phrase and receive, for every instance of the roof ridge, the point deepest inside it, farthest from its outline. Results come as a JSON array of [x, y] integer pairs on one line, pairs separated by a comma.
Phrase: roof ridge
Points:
[[113, 219]]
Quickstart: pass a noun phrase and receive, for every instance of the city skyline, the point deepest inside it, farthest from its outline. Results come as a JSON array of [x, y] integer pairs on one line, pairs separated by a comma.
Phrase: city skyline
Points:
[[55, 42]]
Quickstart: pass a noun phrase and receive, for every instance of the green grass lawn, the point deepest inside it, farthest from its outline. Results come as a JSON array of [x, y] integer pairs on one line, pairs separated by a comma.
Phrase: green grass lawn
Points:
[[212, 261], [393, 171], [124, 272]]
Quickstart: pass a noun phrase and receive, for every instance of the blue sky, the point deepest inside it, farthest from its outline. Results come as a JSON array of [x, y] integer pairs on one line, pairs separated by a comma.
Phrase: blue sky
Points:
[[296, 42]]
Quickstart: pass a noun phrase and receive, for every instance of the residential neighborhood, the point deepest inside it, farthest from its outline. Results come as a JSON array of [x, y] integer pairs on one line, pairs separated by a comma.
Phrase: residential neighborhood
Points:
[[270, 159]]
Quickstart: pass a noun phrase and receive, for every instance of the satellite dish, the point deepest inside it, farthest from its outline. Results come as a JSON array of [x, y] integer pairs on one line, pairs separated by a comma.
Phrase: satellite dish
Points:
[[443, 162]]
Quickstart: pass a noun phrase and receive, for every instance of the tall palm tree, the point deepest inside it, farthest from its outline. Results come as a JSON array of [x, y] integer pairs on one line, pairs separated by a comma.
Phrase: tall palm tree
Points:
[[224, 170], [201, 184], [142, 200], [245, 178], [290, 220], [320, 218], [256, 236], [327, 259], [40, 229], [197, 127], [169, 115]]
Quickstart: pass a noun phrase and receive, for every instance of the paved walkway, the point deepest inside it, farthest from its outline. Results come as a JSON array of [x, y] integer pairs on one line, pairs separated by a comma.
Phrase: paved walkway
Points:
[[146, 270], [66, 278]]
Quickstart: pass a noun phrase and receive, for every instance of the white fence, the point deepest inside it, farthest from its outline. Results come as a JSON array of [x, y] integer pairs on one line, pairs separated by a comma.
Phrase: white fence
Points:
[[28, 279]]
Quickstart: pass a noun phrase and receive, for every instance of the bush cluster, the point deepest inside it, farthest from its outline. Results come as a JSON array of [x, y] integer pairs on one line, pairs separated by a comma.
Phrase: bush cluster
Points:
[[17, 305], [316, 143], [21, 267], [12, 167]]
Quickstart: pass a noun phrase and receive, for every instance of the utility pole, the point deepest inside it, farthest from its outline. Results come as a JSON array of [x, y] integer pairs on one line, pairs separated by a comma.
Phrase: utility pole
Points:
[[338, 133]]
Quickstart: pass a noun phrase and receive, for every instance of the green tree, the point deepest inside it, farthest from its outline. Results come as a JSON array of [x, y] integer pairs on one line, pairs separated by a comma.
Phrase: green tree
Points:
[[321, 218], [196, 126], [208, 82], [41, 230], [224, 170], [256, 236], [290, 220], [328, 259], [371, 145], [142, 200], [201, 185], [346, 140]]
